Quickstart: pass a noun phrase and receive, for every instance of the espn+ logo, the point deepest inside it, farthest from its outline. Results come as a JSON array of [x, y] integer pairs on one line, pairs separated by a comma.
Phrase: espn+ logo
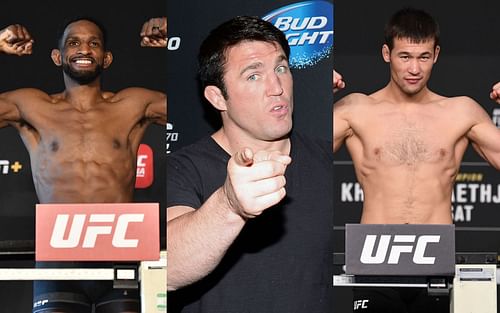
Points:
[[308, 27], [391, 247], [91, 226]]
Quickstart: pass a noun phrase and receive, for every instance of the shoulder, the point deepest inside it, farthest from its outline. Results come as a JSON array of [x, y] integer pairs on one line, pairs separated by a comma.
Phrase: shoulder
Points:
[[28, 96], [200, 152], [462, 103], [27, 92], [354, 100], [137, 92], [135, 96]]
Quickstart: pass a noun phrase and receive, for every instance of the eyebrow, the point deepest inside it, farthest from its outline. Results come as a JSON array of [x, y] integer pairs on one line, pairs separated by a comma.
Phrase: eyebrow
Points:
[[409, 53], [75, 37], [256, 65], [252, 66]]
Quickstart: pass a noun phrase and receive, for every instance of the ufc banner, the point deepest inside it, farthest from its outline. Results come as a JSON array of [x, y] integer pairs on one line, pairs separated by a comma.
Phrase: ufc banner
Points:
[[97, 232], [404, 250]]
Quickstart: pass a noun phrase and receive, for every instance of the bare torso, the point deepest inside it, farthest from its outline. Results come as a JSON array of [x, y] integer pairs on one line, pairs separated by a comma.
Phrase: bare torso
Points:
[[82, 154], [407, 155]]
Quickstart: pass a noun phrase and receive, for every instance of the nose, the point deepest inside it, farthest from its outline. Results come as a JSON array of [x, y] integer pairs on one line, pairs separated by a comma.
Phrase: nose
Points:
[[414, 67], [84, 48], [274, 87]]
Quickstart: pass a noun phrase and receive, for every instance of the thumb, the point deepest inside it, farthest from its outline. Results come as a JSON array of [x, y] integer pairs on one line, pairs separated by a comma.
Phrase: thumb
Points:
[[244, 157]]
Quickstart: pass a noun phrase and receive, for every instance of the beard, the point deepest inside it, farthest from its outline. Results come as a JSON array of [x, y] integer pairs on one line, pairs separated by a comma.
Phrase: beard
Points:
[[82, 77]]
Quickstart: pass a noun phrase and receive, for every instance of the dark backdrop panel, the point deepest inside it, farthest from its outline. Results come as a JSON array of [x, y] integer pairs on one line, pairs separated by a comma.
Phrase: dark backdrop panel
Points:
[[132, 66], [469, 64]]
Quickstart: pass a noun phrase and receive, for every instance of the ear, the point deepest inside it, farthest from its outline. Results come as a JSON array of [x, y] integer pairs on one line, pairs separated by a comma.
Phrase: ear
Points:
[[436, 53], [214, 95], [386, 53], [108, 59], [55, 55]]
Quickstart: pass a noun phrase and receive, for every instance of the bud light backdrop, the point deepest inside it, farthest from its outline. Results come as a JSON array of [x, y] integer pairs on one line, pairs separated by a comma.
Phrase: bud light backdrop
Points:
[[468, 64], [132, 66]]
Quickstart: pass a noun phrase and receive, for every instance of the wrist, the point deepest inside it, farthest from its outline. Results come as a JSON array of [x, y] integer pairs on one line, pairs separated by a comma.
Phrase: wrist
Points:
[[230, 204]]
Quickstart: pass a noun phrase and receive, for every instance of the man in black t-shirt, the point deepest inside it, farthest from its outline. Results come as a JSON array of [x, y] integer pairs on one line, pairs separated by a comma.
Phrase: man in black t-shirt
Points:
[[250, 207]]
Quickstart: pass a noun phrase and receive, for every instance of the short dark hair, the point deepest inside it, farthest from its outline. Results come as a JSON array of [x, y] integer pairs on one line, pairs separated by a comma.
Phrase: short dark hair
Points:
[[212, 54], [71, 20], [416, 25]]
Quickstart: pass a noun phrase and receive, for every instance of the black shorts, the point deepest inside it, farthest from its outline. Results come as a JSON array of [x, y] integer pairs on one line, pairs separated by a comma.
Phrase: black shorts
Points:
[[82, 296], [398, 300]]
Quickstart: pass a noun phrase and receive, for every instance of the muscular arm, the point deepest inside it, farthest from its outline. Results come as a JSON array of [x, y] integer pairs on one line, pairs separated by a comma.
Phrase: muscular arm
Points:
[[9, 112], [156, 110], [484, 135], [154, 33], [341, 111], [15, 39], [198, 239], [495, 93]]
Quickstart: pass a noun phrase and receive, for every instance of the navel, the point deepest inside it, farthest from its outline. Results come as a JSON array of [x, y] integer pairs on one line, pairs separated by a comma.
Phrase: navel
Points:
[[116, 144], [54, 146]]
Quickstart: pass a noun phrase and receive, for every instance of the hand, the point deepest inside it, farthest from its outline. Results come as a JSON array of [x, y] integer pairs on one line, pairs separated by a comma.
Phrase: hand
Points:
[[338, 83], [255, 181], [15, 39], [495, 93], [154, 33]]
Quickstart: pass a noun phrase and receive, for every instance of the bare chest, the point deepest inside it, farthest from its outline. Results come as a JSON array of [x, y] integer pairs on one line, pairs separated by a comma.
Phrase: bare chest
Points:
[[396, 138]]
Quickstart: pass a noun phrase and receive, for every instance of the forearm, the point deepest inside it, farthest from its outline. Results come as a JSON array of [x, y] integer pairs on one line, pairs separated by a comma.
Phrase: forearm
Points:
[[197, 241]]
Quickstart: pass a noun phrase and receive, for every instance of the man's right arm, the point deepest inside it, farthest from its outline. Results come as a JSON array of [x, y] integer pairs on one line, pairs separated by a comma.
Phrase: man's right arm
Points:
[[9, 111], [198, 239], [14, 39], [342, 112]]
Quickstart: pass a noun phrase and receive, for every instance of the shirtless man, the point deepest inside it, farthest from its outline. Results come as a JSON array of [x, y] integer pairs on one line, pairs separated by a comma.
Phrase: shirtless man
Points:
[[83, 141], [406, 141]]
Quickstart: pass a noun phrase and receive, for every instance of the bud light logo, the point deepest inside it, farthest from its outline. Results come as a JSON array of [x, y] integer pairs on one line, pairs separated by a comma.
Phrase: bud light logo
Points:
[[308, 26]]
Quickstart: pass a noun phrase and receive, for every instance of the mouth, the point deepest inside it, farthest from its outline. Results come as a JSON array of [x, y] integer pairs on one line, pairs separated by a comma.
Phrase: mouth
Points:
[[279, 109], [413, 81], [82, 61]]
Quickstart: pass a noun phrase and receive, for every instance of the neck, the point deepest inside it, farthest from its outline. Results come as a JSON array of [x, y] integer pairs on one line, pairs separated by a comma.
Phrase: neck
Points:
[[82, 96], [399, 96]]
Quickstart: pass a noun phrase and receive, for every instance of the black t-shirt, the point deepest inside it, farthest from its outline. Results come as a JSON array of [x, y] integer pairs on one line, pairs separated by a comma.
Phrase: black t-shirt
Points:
[[282, 260]]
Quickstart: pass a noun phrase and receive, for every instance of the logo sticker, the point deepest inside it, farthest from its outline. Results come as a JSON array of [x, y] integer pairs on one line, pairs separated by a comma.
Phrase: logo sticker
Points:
[[308, 26]]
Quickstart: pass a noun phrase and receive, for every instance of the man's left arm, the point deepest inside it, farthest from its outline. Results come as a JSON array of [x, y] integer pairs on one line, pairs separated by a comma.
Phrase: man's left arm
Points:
[[154, 33], [495, 93], [485, 136], [156, 109]]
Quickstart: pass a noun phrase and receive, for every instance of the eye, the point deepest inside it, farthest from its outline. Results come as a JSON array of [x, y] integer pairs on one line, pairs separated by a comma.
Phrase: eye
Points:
[[95, 44], [425, 58], [404, 57], [253, 77], [73, 43], [282, 69]]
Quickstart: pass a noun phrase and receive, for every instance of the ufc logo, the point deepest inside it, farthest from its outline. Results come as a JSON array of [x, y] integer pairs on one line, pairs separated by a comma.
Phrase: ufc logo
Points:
[[141, 165], [399, 244], [98, 224], [360, 304]]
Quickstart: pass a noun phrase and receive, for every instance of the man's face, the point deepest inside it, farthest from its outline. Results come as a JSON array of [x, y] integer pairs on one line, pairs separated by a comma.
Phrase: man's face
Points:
[[259, 88], [82, 51], [411, 63]]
